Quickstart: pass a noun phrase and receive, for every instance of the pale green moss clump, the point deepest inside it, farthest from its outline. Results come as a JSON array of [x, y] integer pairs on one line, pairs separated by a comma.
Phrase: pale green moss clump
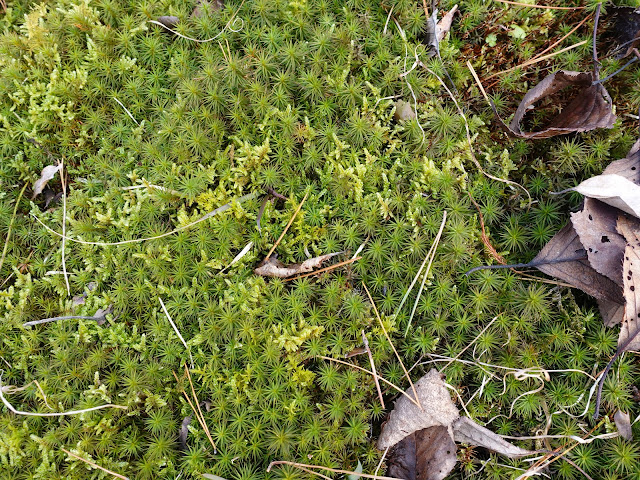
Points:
[[295, 97]]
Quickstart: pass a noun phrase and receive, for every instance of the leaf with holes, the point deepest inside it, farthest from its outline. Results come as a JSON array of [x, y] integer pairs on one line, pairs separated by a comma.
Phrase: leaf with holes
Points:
[[629, 339]]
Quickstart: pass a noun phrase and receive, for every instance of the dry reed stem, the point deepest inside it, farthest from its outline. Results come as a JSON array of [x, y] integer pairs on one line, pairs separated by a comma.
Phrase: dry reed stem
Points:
[[325, 269], [533, 5], [404, 369], [334, 470], [95, 465], [275, 245], [373, 368]]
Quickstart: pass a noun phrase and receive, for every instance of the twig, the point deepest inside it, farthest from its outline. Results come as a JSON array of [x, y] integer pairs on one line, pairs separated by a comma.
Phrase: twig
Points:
[[13, 219], [55, 414], [596, 63], [95, 465], [176, 330], [373, 368], [334, 470], [229, 24], [533, 5], [466, 126], [375, 309], [218, 210], [275, 245], [325, 269], [126, 110], [533, 61], [431, 255], [64, 226]]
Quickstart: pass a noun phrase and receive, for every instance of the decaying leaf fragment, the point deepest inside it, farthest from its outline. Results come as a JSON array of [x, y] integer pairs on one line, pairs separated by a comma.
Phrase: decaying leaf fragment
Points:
[[589, 109], [623, 424], [272, 267], [423, 437], [47, 174], [629, 338], [627, 167], [428, 454], [595, 225]]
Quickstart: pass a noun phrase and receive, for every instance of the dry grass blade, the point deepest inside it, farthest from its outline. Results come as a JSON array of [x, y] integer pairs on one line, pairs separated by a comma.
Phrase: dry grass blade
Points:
[[334, 470], [293, 217], [485, 238], [325, 269], [64, 227], [533, 5], [471, 343], [373, 368], [175, 328], [404, 369], [94, 465]]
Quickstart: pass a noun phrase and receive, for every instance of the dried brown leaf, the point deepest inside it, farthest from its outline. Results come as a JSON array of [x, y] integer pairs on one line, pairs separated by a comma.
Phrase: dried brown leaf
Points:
[[628, 167], [596, 228], [406, 417], [589, 109], [614, 190], [467, 431], [623, 424], [612, 313], [47, 174], [272, 267], [566, 244], [629, 339], [444, 25], [427, 454]]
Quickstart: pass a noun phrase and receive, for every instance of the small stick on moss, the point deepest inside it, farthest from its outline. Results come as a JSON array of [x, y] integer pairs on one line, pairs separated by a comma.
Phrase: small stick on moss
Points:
[[533, 5], [431, 255], [325, 269], [218, 210], [411, 399], [95, 465], [164, 309], [55, 414], [373, 368], [404, 369], [275, 245], [195, 412], [334, 470], [13, 219]]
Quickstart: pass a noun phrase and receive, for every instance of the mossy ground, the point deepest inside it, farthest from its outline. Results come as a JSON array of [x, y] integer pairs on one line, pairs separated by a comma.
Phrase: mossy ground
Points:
[[291, 96]]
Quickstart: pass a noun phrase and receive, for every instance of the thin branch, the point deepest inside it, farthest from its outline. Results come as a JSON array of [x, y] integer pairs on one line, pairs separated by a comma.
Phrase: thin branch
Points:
[[375, 309], [56, 414], [275, 245], [218, 210], [373, 368], [325, 269], [334, 470], [95, 465]]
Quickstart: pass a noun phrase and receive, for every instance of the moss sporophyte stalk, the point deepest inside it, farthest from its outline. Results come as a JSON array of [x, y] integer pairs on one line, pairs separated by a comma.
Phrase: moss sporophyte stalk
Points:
[[178, 154]]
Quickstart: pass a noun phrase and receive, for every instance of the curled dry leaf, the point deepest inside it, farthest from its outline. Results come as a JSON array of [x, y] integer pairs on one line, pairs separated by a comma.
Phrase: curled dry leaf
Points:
[[629, 339], [423, 436], [589, 109], [628, 167], [272, 267], [614, 190], [467, 431], [407, 417], [47, 174], [184, 432], [595, 225], [428, 454], [623, 424]]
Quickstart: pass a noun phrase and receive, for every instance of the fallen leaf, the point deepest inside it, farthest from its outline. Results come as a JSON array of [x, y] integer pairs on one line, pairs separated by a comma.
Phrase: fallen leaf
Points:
[[467, 431], [596, 225], [613, 190], [353, 476], [628, 167], [589, 109], [629, 339], [169, 21], [407, 417], [272, 267], [428, 454], [437, 30], [184, 432], [623, 424], [566, 244], [404, 111], [242, 253], [612, 313], [444, 25], [47, 174]]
